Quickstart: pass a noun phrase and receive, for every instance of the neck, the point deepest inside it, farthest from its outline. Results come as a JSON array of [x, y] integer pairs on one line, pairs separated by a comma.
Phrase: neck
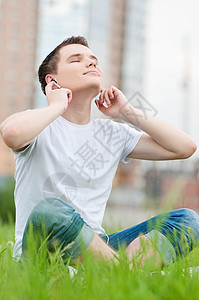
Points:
[[79, 110]]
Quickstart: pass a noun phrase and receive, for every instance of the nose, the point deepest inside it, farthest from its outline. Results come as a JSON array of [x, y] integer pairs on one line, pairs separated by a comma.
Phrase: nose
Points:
[[91, 64]]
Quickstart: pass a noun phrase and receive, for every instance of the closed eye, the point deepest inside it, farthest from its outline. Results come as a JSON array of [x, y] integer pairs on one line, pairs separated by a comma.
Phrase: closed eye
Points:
[[75, 61]]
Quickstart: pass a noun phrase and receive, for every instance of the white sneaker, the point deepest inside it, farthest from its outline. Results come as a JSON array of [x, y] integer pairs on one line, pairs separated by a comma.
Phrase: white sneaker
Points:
[[72, 271]]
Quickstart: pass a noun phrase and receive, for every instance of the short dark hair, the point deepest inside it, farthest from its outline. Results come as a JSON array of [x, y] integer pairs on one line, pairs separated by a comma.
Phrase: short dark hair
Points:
[[49, 64]]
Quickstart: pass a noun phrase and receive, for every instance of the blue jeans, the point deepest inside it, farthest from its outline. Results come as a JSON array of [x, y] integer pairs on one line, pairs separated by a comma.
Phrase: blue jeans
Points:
[[174, 233]]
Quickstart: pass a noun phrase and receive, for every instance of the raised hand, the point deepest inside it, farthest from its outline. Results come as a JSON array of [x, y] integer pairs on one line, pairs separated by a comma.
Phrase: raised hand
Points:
[[58, 96], [116, 101]]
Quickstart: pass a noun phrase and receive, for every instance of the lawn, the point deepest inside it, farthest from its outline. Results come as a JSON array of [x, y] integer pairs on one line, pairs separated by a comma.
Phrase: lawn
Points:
[[40, 279]]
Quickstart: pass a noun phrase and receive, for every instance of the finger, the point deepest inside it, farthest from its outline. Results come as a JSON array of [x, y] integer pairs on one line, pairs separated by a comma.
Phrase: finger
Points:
[[101, 98], [110, 93], [69, 95], [97, 103], [101, 107], [48, 87], [115, 91], [113, 88], [107, 98], [101, 91]]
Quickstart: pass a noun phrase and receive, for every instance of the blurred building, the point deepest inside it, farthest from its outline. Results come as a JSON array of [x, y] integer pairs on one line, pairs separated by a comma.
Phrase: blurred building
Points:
[[133, 58], [117, 35], [173, 188], [18, 40]]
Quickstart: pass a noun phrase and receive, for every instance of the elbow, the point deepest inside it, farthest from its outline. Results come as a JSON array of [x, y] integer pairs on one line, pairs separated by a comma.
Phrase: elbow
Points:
[[11, 136], [190, 150]]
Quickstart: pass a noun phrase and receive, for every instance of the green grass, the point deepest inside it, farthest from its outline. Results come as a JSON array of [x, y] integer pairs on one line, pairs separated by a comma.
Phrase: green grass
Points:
[[39, 278]]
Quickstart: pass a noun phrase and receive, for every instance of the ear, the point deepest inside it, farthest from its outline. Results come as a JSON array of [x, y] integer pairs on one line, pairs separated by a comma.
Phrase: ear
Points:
[[49, 78]]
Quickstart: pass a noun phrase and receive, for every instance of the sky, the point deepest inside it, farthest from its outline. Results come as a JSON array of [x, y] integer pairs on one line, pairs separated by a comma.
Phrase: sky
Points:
[[172, 52]]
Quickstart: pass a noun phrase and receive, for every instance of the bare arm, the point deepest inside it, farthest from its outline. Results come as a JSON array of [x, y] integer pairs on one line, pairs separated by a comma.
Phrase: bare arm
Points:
[[161, 140], [19, 129]]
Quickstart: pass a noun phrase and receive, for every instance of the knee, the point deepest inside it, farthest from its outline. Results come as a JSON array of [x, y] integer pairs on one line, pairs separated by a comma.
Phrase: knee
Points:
[[191, 219], [52, 212], [137, 243], [54, 218], [190, 214], [59, 225]]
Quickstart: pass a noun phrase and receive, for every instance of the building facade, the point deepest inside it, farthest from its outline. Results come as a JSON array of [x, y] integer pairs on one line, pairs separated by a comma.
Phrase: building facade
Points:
[[18, 39]]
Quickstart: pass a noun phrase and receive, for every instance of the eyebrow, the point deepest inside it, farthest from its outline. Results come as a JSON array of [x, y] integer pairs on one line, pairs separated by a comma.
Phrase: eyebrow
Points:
[[81, 54]]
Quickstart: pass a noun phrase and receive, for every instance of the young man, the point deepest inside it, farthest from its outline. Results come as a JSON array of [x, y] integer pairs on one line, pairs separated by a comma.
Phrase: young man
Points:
[[66, 161]]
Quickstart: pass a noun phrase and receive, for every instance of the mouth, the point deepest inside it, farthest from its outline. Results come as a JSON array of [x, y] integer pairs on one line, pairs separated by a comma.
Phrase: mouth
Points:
[[92, 72]]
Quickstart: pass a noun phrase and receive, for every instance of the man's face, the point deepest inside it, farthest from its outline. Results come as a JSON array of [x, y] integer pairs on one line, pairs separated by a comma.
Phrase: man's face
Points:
[[78, 69]]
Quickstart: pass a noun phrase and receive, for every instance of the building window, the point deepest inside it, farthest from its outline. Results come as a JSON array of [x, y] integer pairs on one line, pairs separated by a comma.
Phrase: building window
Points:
[[15, 30], [11, 90], [30, 61], [11, 103], [15, 15], [32, 3], [29, 76], [14, 59], [15, 2], [32, 17], [30, 47], [11, 74], [28, 91], [13, 45], [30, 32]]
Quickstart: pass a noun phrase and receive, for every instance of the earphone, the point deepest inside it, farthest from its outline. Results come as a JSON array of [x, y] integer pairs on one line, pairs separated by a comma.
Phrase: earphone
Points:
[[57, 85]]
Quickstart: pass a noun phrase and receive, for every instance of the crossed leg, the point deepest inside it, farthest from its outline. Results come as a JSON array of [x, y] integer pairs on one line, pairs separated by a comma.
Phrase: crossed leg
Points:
[[64, 227], [102, 250], [172, 234]]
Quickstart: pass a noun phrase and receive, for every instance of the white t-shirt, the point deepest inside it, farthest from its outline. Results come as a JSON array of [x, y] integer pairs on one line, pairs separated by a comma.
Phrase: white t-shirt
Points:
[[75, 163]]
